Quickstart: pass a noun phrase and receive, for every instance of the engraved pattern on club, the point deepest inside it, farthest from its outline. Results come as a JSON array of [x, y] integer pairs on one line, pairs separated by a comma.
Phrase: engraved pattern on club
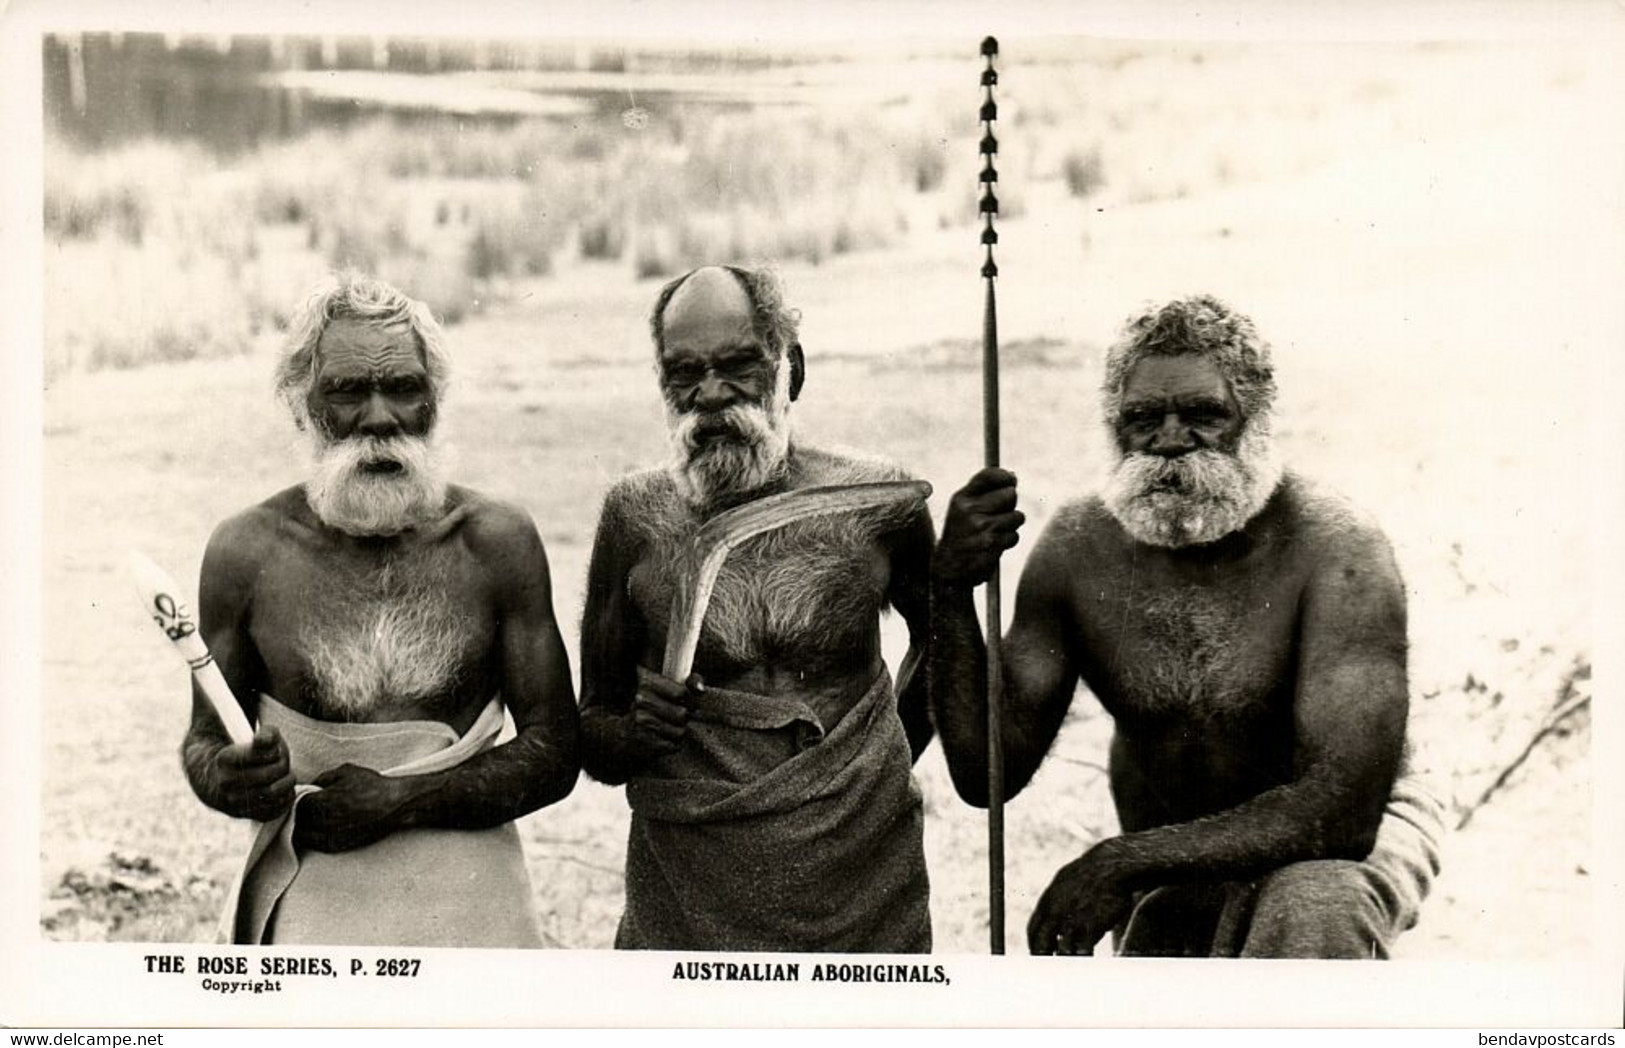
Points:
[[160, 598]]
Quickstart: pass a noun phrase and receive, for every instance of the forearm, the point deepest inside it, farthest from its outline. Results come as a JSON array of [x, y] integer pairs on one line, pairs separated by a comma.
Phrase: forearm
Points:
[[605, 753], [530, 771], [913, 701], [957, 683], [1313, 818], [198, 751]]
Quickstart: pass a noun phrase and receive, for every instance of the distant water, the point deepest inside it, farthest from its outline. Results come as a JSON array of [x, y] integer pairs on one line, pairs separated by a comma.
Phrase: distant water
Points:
[[231, 94]]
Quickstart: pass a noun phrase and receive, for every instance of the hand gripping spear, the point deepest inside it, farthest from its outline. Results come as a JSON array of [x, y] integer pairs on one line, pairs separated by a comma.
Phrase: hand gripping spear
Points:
[[989, 208]]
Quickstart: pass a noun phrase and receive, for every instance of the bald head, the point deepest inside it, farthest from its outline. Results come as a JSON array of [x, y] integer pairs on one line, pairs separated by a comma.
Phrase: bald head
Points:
[[716, 305], [729, 367], [710, 304], [706, 293]]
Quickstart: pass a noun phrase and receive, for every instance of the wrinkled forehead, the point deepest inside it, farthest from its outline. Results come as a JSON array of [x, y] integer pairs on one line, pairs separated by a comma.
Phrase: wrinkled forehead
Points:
[[359, 348], [710, 312], [1181, 379]]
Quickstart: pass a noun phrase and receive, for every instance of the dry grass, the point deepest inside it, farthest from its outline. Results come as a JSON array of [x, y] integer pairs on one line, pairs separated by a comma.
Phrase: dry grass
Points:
[[455, 214], [462, 210]]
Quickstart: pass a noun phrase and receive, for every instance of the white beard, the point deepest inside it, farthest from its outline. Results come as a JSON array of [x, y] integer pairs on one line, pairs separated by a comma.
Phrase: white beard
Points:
[[1195, 498], [755, 453], [359, 502]]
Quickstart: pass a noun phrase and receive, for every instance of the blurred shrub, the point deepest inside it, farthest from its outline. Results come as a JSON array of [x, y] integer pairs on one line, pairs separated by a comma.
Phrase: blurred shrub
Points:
[[155, 302], [1083, 171], [654, 255], [484, 203], [927, 159], [506, 248], [467, 209], [448, 289], [602, 236], [121, 193]]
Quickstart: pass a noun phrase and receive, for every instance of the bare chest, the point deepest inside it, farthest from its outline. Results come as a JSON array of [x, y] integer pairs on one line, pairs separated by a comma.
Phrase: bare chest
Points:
[[375, 638], [806, 597], [1192, 652]]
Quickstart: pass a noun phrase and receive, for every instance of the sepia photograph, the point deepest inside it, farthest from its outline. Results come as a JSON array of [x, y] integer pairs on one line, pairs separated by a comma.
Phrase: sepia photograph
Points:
[[730, 496]]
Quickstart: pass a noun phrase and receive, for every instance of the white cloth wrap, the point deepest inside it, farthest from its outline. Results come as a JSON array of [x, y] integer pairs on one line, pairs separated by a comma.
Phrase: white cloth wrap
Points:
[[418, 887]]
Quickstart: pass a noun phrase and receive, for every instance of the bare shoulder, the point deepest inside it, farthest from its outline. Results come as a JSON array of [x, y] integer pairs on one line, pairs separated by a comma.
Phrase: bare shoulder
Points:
[[820, 466], [640, 504], [639, 487], [905, 526], [1334, 532], [1080, 535], [242, 546], [243, 541], [1083, 519], [1353, 586], [1072, 545], [494, 528]]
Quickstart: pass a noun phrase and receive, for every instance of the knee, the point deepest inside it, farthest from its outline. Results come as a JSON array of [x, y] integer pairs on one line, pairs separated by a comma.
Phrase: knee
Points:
[[1172, 921], [1322, 909]]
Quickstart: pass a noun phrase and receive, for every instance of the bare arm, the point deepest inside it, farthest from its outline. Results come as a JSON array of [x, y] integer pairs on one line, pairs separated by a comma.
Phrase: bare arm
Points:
[[1349, 718], [628, 715], [537, 767], [248, 782], [1039, 673], [910, 594]]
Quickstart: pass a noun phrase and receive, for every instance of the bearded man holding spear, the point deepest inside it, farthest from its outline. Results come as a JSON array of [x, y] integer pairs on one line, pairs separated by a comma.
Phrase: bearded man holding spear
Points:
[[1246, 631], [376, 622]]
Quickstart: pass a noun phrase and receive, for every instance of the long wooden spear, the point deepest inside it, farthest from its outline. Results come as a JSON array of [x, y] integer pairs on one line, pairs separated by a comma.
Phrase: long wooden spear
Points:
[[989, 208]]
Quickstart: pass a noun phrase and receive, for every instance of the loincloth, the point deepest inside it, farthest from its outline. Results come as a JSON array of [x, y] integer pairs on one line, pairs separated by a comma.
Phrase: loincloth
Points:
[[418, 887], [1356, 906], [765, 833]]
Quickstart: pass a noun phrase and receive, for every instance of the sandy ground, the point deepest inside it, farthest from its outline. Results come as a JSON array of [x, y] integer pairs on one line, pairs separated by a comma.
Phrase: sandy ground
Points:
[[1436, 312]]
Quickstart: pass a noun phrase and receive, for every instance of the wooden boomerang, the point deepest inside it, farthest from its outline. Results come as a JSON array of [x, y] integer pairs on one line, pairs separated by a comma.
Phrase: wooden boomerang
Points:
[[709, 548]]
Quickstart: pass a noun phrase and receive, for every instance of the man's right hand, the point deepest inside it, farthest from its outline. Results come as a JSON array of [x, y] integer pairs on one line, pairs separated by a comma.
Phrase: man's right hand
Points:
[[658, 720], [254, 781], [982, 523]]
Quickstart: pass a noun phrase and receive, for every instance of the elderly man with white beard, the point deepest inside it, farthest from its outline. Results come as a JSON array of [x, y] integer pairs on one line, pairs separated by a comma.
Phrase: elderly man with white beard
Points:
[[1246, 632], [375, 621], [773, 804]]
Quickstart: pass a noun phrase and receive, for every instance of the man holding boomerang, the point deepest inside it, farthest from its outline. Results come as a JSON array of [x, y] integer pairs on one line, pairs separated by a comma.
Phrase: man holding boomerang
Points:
[[773, 804], [375, 621]]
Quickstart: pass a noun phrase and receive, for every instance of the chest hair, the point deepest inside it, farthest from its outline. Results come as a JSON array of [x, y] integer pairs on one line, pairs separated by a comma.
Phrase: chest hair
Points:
[[389, 634]]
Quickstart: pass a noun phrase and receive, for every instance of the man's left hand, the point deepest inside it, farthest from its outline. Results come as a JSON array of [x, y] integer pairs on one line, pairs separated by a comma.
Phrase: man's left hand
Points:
[[1084, 902], [355, 807], [982, 523]]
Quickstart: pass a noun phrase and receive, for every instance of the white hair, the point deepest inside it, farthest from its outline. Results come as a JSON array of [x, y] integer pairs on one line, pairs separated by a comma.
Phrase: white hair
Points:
[[353, 295], [345, 495], [1203, 326], [1194, 498]]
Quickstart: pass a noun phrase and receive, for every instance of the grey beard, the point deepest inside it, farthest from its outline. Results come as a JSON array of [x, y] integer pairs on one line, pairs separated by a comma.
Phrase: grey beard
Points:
[[1195, 498], [755, 454], [358, 502]]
